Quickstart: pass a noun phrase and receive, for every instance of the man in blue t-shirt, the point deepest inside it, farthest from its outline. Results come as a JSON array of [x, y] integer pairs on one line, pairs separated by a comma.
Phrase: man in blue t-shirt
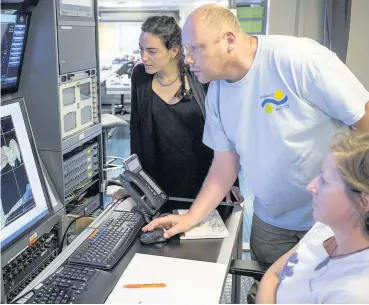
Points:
[[273, 107]]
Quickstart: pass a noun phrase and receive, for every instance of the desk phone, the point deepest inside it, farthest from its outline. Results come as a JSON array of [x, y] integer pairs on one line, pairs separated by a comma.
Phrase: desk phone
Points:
[[141, 187]]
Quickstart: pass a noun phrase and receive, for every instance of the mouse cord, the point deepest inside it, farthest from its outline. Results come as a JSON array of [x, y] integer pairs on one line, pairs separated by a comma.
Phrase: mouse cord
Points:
[[145, 214]]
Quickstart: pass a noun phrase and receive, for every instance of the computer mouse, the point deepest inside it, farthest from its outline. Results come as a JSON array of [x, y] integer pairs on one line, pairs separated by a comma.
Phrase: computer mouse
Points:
[[154, 236]]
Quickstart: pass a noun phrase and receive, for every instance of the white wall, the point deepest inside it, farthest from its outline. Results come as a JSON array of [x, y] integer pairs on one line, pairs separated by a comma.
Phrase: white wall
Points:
[[129, 36], [282, 15], [302, 18], [184, 12], [358, 45]]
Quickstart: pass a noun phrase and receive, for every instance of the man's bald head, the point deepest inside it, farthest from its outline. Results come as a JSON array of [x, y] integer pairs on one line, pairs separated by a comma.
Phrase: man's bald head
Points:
[[215, 17], [213, 38]]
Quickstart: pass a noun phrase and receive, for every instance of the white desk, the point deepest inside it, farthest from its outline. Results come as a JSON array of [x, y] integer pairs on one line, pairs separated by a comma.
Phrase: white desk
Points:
[[105, 73]]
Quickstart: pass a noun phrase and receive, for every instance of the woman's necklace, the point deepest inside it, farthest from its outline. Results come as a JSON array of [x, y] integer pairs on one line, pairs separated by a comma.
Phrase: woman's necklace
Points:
[[332, 255], [165, 85]]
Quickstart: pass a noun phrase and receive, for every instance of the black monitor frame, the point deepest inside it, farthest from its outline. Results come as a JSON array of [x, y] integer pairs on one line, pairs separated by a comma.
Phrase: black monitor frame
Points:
[[15, 88], [39, 172]]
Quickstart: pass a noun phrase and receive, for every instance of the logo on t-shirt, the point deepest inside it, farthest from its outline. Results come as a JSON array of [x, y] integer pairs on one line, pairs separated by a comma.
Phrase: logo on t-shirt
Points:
[[276, 101], [287, 270]]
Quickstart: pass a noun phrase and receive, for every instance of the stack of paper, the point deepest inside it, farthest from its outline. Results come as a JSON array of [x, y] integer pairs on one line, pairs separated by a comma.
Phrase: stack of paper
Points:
[[186, 281], [211, 227]]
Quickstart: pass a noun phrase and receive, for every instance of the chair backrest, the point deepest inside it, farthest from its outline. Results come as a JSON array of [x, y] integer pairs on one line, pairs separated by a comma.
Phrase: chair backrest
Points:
[[126, 68]]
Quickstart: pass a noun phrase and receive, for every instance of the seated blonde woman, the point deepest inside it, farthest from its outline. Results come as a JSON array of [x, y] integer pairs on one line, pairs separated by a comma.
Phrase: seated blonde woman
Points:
[[331, 263]]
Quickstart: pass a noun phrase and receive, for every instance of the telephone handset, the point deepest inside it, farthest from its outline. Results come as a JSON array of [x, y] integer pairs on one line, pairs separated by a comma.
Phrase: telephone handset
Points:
[[143, 190]]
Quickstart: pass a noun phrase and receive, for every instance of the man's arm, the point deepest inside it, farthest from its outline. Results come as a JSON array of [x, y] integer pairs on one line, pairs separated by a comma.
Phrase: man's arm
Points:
[[267, 290], [221, 177], [222, 174]]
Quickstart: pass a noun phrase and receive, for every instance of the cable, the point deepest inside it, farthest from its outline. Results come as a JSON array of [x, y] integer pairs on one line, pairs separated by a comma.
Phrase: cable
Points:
[[66, 231], [145, 214]]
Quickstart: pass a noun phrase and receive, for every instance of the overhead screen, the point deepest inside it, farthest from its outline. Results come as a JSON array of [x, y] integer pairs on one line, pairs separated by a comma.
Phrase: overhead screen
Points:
[[14, 29], [82, 8]]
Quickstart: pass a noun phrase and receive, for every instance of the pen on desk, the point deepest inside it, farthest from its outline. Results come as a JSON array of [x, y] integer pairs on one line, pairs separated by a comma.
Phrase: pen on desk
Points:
[[157, 285]]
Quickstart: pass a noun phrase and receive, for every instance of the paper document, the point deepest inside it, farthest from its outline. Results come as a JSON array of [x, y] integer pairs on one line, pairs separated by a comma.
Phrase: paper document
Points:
[[186, 281], [211, 227]]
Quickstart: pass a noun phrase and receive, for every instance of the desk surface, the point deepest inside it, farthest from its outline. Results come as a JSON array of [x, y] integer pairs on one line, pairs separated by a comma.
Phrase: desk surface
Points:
[[105, 73], [209, 250]]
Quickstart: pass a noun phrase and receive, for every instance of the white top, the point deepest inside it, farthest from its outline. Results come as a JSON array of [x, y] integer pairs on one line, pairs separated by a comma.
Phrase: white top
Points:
[[281, 118], [342, 280]]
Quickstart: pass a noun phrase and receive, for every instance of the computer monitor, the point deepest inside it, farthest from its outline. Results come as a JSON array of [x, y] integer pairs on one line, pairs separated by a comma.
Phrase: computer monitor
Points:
[[14, 30], [24, 202], [80, 8]]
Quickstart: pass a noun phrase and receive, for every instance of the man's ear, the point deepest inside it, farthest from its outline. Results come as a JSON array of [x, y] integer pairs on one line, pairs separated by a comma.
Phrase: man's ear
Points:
[[231, 41]]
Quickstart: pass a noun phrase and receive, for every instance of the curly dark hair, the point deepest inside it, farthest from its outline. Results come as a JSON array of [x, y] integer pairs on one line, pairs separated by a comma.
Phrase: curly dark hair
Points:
[[168, 30]]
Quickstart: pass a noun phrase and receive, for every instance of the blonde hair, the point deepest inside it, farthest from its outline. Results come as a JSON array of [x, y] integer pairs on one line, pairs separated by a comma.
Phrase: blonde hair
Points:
[[215, 16], [352, 158]]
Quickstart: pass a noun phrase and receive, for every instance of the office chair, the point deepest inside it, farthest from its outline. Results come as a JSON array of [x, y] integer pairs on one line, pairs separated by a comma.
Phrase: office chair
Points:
[[249, 268], [126, 68]]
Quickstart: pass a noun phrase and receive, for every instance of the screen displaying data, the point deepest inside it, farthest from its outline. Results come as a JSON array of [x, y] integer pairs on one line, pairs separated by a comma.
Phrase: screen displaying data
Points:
[[13, 36], [76, 7], [23, 202]]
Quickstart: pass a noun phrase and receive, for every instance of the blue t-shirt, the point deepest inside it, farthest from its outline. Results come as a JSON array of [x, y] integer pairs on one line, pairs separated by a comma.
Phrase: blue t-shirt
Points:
[[281, 118]]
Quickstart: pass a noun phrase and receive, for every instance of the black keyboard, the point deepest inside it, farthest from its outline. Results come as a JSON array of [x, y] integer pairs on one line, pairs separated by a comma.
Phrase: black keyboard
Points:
[[107, 244], [72, 285]]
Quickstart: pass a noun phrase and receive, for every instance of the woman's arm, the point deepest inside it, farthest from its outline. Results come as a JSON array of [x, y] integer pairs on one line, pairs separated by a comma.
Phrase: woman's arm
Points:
[[135, 124], [267, 289]]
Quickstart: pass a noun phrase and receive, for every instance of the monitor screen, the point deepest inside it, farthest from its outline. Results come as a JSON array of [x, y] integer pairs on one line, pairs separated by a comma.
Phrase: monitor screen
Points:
[[82, 8], [24, 200], [14, 29]]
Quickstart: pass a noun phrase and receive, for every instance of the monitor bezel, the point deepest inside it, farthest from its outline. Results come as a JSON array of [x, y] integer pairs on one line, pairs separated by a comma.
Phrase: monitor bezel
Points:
[[39, 172], [15, 88]]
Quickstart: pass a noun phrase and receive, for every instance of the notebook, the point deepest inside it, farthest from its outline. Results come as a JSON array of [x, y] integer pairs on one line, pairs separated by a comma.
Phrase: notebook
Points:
[[186, 281], [211, 227]]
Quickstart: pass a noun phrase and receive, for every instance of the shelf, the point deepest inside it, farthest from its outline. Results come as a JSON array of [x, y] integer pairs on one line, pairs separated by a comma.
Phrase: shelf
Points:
[[80, 138], [79, 192]]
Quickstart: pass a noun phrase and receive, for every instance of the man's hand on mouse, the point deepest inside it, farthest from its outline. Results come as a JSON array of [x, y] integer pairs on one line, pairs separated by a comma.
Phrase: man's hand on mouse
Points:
[[175, 223]]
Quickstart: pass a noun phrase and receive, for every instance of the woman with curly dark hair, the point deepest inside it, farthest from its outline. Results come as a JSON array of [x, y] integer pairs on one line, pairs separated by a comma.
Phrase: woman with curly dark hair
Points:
[[168, 112]]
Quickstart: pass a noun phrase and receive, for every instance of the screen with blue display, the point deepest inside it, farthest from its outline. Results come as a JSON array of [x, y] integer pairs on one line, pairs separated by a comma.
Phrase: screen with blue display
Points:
[[23, 202], [14, 29]]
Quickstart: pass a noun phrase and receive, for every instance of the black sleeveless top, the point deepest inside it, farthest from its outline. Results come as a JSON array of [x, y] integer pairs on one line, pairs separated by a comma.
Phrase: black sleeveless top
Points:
[[183, 161], [168, 138]]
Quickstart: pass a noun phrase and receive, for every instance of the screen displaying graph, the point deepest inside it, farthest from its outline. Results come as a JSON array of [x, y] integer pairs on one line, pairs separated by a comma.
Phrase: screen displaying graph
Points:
[[16, 193]]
